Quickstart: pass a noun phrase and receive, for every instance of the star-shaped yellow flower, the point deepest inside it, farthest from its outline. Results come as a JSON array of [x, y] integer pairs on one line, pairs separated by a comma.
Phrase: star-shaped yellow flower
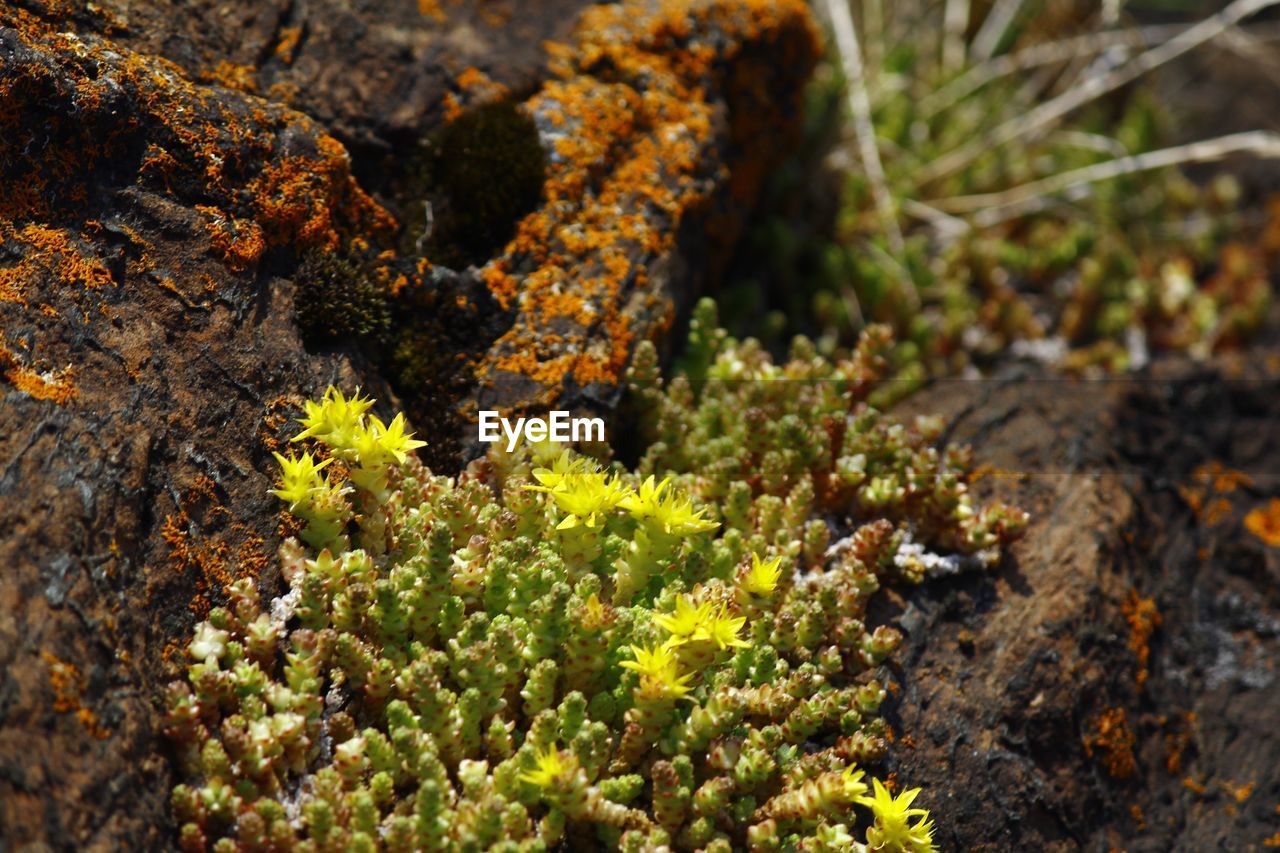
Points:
[[762, 578], [334, 419], [722, 630], [659, 670], [685, 620], [893, 829], [551, 765], [671, 513], [299, 478]]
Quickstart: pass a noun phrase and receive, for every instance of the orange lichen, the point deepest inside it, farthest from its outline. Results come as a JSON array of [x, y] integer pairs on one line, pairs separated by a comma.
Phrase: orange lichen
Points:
[[431, 9], [57, 264], [57, 386], [206, 557], [1113, 740], [287, 525], [1264, 522], [48, 253], [495, 17], [474, 88], [1209, 483], [1143, 619], [1177, 741], [68, 687], [251, 555], [1139, 818], [242, 78], [1226, 481], [629, 165], [294, 198], [1239, 793], [472, 78], [239, 242], [175, 652], [207, 560], [287, 44], [280, 412], [249, 159], [1273, 841]]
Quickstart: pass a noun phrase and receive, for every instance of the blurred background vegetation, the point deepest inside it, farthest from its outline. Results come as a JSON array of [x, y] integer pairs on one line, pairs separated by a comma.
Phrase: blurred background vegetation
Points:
[[1080, 183]]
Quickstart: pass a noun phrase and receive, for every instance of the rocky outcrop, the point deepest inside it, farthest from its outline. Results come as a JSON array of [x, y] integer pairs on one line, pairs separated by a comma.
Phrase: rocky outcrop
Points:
[[1113, 685], [174, 179]]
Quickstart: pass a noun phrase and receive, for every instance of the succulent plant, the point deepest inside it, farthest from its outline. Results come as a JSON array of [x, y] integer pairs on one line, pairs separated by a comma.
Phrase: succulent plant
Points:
[[545, 650]]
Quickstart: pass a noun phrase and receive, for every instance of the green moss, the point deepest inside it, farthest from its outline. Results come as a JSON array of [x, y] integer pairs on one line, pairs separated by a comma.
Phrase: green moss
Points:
[[340, 298], [416, 360], [481, 173]]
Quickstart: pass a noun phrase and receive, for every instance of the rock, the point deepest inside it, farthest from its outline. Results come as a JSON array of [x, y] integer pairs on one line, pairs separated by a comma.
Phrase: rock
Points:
[[377, 75], [161, 188], [148, 350], [642, 115], [1112, 685]]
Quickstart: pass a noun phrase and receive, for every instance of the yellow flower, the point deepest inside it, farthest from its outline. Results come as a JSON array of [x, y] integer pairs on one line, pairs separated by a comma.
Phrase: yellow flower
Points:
[[393, 440], [375, 444], [670, 512], [299, 478], [762, 578], [722, 630], [854, 787], [596, 614], [550, 478], [692, 623], [685, 621], [659, 670], [893, 829], [551, 766], [353, 434], [584, 496], [335, 419]]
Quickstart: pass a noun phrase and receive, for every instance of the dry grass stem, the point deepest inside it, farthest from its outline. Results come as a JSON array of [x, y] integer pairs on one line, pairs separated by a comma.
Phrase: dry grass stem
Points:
[[1049, 112], [992, 208], [864, 128]]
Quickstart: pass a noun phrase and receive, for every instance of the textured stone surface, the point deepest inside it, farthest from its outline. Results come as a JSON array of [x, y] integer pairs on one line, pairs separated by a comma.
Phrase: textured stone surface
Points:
[[1138, 490]]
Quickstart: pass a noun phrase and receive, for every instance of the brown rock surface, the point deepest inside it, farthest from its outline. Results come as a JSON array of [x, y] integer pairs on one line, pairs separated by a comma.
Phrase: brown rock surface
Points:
[[372, 72], [1031, 719]]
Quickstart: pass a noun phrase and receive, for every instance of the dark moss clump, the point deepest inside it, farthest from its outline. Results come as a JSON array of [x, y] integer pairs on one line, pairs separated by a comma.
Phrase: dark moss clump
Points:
[[484, 171], [441, 328], [416, 360], [340, 298]]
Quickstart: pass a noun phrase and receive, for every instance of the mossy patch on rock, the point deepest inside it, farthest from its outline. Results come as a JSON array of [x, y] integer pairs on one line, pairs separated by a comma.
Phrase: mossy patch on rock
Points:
[[340, 298], [481, 173]]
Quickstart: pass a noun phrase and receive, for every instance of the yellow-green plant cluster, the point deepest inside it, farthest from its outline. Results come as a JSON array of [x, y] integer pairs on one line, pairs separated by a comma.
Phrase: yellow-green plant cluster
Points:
[[547, 652]]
